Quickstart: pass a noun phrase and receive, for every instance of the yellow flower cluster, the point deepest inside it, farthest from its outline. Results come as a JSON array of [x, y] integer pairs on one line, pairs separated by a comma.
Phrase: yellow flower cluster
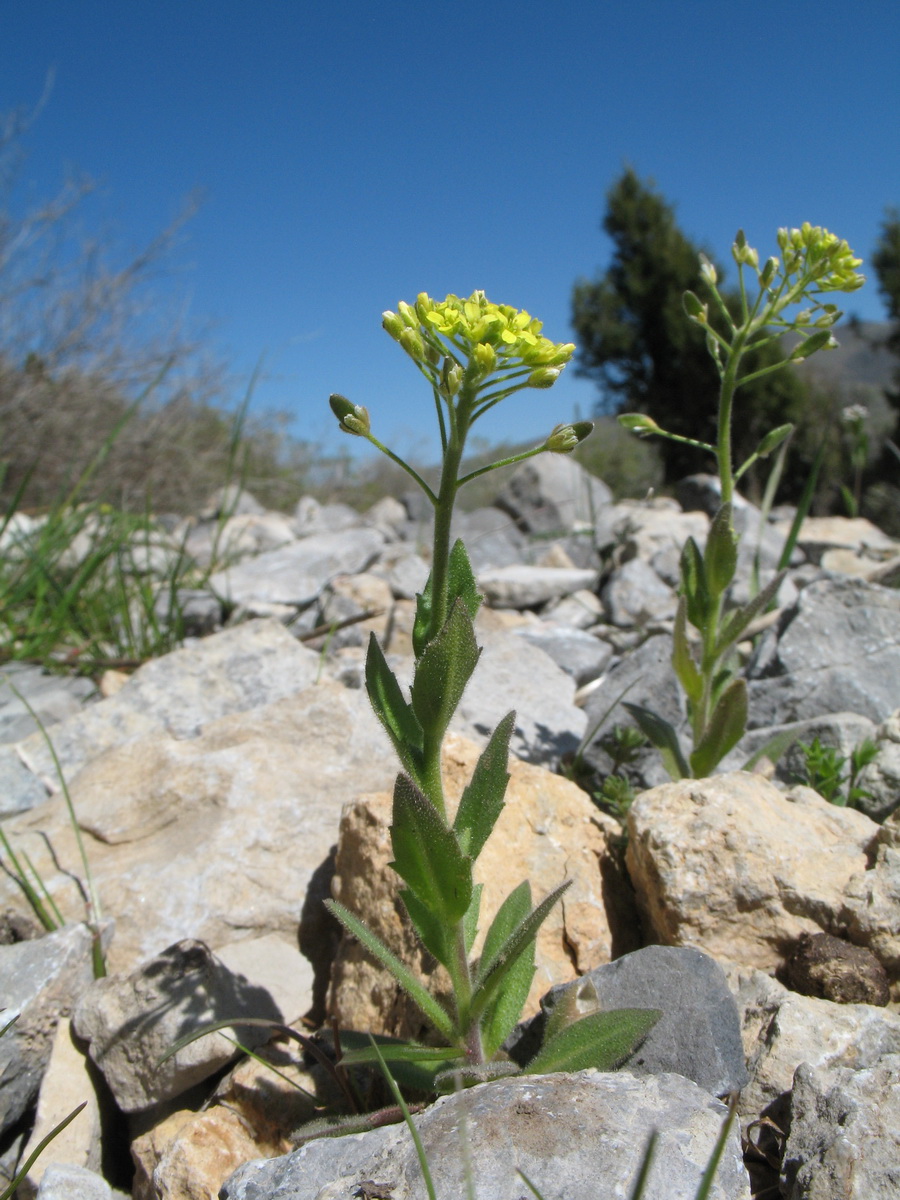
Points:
[[823, 256], [490, 335]]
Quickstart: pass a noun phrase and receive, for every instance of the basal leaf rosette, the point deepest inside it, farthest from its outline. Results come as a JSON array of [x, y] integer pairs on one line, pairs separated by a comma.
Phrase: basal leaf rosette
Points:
[[465, 347]]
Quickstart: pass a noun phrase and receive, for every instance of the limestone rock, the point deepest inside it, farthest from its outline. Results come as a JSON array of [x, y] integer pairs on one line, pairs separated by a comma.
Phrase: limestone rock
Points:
[[781, 1030], [635, 595], [529, 587], [734, 867], [296, 573], [66, 1085], [40, 982], [217, 837], [565, 1132], [844, 1142], [231, 672], [871, 909], [549, 831], [882, 776], [131, 1021], [553, 494], [699, 1033], [67, 1182]]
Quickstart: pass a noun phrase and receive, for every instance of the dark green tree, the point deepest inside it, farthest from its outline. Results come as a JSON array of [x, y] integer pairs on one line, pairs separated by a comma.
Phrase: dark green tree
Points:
[[886, 261], [645, 355]]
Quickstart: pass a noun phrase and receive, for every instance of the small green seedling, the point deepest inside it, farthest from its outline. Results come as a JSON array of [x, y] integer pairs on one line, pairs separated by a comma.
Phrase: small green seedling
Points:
[[824, 771]]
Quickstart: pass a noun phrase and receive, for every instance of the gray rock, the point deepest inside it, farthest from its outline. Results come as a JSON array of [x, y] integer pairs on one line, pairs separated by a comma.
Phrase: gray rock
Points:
[[553, 494], [40, 981], [234, 671], [843, 731], [881, 777], [312, 517], [62, 1182], [230, 501], [580, 654], [635, 595], [296, 573], [581, 610], [491, 537], [838, 651], [214, 837], [699, 1033], [529, 587], [514, 674], [52, 697], [644, 677], [565, 1132], [131, 1021], [844, 1140]]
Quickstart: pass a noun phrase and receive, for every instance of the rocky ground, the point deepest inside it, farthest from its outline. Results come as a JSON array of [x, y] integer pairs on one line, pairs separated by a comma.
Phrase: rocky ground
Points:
[[223, 790]]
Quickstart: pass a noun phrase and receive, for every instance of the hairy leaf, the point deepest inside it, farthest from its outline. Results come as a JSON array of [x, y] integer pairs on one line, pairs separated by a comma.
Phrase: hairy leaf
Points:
[[502, 1013], [443, 671], [663, 737], [395, 714], [603, 1040], [726, 728], [693, 585], [682, 660], [482, 800], [432, 1010], [494, 970], [427, 855], [720, 555], [738, 619]]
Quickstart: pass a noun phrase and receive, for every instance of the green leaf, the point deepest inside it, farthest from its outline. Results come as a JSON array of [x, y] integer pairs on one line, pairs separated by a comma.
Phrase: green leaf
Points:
[[682, 660], [738, 619], [663, 737], [470, 922], [501, 1015], [461, 583], [603, 1040], [443, 671], [436, 936], [693, 585], [575, 1001], [427, 854], [394, 1051], [720, 555], [432, 1010], [725, 729], [493, 970], [482, 800], [423, 618], [392, 710]]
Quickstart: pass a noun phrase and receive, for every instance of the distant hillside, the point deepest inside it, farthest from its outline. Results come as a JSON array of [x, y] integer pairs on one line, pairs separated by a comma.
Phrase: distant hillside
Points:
[[859, 358]]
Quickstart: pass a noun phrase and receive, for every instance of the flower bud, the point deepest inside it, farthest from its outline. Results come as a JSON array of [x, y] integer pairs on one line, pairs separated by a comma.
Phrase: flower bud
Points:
[[543, 377], [695, 310], [767, 274], [353, 417], [451, 378], [638, 423], [392, 323], [819, 341], [411, 341], [708, 271], [565, 438], [485, 357], [773, 440], [408, 315]]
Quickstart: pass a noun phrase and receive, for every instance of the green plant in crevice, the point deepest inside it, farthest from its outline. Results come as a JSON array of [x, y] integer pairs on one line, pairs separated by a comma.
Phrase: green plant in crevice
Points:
[[474, 354], [824, 771], [814, 264]]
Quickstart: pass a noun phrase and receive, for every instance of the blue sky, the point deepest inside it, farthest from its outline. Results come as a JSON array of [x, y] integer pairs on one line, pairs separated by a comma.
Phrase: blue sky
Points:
[[353, 154]]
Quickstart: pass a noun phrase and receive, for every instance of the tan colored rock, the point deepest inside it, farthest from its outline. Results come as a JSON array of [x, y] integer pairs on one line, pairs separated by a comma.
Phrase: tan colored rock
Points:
[[254, 1111], [781, 1030], [549, 831], [821, 534], [872, 910], [65, 1085], [216, 837], [738, 869]]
